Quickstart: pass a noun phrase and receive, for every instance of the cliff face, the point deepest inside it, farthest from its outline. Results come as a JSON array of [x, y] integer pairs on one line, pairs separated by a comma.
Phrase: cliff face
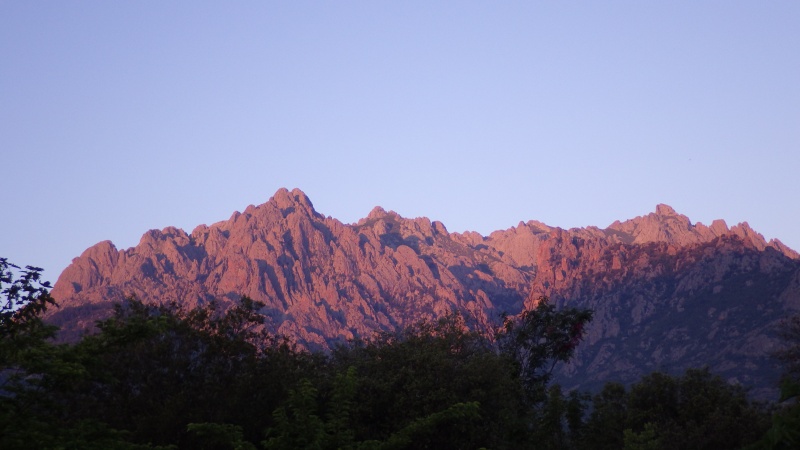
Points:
[[667, 294], [320, 279]]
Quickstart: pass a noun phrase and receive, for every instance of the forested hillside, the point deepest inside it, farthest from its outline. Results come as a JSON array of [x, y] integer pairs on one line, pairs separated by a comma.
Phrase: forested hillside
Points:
[[215, 378]]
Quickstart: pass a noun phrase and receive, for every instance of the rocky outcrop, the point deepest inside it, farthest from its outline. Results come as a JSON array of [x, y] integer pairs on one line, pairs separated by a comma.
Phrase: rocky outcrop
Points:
[[667, 293], [321, 280], [665, 225]]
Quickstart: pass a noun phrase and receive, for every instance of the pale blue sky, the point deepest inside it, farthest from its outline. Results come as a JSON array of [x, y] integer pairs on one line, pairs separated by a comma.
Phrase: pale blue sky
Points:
[[119, 117]]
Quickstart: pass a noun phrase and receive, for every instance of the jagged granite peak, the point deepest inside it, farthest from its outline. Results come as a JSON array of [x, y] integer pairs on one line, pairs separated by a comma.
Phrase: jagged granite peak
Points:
[[377, 213], [666, 225], [284, 199], [666, 210], [324, 281]]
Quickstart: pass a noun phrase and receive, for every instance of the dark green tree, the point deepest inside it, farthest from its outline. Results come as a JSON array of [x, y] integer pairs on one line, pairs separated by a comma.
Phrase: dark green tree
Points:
[[23, 333], [211, 377], [608, 419], [647, 439], [152, 370], [411, 378], [25, 298], [535, 342], [695, 411], [214, 436], [540, 338], [35, 373], [297, 424], [784, 432]]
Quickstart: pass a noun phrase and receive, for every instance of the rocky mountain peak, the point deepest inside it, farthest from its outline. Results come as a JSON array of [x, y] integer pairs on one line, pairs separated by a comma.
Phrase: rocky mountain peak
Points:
[[665, 210], [324, 281], [285, 199], [376, 213], [719, 227], [667, 226], [664, 225]]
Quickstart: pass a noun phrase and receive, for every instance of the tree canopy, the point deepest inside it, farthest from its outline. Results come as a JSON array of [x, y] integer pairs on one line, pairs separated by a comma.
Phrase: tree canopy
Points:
[[160, 376]]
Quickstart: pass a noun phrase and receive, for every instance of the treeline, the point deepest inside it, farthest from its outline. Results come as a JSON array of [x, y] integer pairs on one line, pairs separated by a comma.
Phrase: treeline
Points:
[[164, 377]]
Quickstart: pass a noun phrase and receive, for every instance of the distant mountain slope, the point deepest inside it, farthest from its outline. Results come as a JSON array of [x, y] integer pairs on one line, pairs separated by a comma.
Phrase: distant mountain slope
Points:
[[668, 294]]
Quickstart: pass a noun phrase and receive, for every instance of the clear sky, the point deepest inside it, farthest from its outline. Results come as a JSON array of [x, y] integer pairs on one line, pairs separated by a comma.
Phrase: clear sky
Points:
[[119, 117]]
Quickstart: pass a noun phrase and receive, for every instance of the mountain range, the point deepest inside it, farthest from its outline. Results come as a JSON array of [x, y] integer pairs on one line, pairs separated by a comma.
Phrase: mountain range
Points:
[[667, 294]]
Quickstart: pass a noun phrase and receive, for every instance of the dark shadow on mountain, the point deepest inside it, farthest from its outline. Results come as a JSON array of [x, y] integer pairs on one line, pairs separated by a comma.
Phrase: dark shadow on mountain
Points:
[[395, 239], [434, 268], [77, 321], [503, 297], [269, 271], [391, 240]]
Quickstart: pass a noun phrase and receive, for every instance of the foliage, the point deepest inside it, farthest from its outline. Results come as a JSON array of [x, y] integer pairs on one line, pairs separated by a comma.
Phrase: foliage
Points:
[[647, 439], [558, 423], [33, 372], [170, 368], [421, 372], [784, 432], [459, 414], [22, 332], [694, 411], [158, 376], [604, 427], [217, 436], [299, 426], [539, 339], [25, 299]]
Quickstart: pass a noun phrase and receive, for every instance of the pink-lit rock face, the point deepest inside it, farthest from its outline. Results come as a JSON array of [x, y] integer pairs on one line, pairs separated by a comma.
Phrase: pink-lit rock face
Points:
[[323, 280]]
